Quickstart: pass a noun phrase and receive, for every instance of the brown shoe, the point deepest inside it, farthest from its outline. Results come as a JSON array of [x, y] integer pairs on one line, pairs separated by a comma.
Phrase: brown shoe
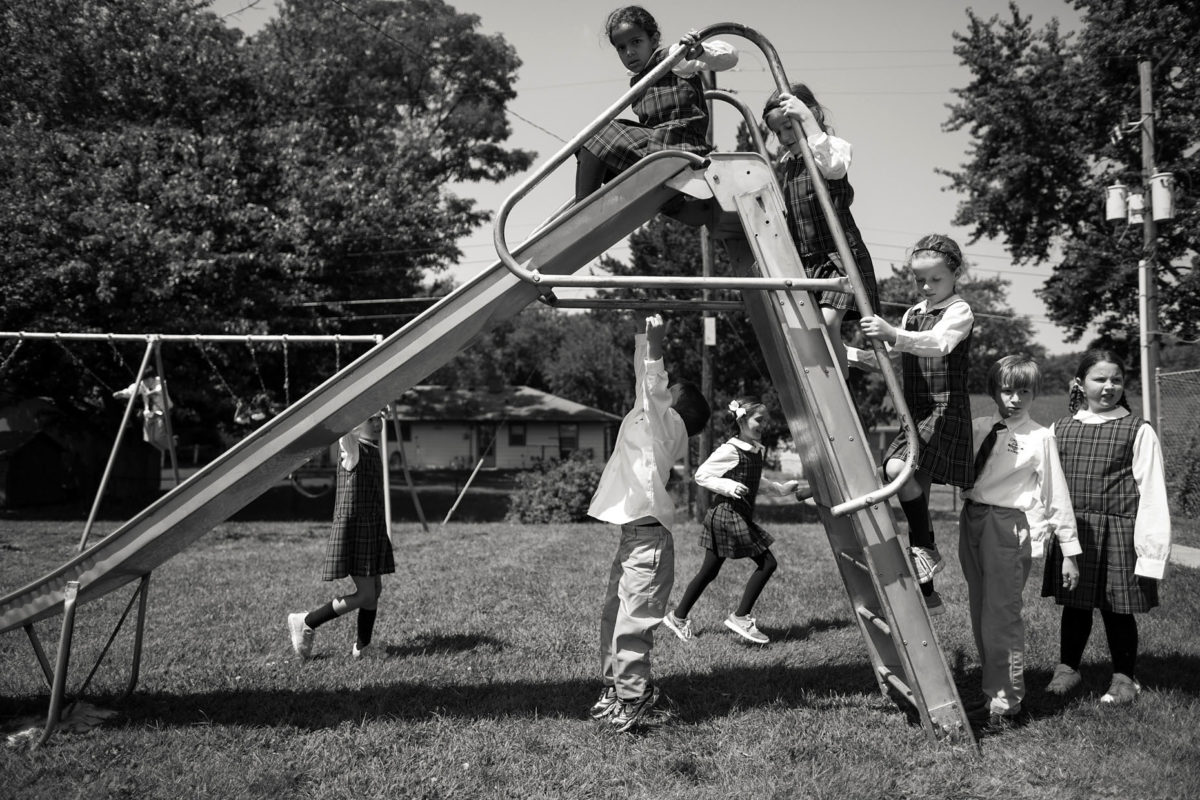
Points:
[[1065, 680], [1122, 690]]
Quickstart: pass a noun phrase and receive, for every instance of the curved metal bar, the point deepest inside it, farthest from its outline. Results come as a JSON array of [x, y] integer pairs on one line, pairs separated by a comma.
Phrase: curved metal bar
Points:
[[747, 117], [568, 150], [843, 246]]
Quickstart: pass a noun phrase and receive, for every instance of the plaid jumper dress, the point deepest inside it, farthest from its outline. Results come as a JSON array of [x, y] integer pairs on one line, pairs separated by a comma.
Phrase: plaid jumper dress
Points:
[[1097, 460], [814, 240], [729, 527], [935, 389], [358, 542], [672, 115]]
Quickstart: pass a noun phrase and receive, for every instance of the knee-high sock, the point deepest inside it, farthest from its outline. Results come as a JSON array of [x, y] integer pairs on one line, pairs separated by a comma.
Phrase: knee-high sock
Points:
[[320, 615], [1122, 633], [920, 524], [366, 626], [1074, 634]]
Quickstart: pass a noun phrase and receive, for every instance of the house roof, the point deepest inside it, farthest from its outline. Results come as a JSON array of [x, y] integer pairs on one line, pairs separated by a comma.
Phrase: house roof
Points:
[[519, 403]]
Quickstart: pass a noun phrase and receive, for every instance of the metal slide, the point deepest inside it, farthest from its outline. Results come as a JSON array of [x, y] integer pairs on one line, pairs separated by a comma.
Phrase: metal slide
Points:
[[315, 421], [825, 426]]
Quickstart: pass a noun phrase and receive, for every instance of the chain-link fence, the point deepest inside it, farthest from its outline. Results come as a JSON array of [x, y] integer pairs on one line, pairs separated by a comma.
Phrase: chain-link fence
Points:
[[1179, 432]]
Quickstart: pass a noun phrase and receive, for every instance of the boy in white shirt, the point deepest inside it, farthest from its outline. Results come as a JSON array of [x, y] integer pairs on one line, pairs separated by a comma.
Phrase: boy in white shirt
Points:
[[633, 494], [1019, 497]]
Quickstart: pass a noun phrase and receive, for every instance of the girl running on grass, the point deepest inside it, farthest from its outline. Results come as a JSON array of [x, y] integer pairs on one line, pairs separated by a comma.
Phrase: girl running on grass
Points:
[[359, 546], [733, 473], [1114, 469], [672, 114]]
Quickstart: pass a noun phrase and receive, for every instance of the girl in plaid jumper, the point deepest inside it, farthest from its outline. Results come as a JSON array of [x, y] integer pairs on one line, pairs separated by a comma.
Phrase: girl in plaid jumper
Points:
[[933, 341], [1114, 470], [806, 220], [359, 547], [733, 473], [672, 114]]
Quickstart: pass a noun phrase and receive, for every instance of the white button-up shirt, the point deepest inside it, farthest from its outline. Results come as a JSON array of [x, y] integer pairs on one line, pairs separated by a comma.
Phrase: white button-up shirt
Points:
[[1023, 472], [652, 437], [724, 458]]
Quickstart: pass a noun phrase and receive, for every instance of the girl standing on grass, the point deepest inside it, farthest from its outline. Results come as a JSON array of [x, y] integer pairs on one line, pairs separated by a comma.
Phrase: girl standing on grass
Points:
[[934, 342], [672, 114], [359, 546], [806, 220], [1114, 471], [733, 473]]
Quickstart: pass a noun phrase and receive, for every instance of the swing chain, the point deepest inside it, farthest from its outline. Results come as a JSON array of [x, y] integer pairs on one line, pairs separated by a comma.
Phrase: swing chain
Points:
[[287, 375], [216, 371], [120, 358], [77, 361], [11, 355]]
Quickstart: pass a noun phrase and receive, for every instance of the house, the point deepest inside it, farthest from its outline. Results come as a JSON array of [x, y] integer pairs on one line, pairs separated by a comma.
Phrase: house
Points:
[[514, 427], [48, 457]]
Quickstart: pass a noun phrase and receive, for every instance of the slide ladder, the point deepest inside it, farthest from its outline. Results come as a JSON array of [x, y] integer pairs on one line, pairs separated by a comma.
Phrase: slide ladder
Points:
[[828, 434]]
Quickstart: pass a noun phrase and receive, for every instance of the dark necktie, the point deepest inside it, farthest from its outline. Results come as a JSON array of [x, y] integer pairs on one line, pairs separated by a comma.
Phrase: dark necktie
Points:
[[985, 449]]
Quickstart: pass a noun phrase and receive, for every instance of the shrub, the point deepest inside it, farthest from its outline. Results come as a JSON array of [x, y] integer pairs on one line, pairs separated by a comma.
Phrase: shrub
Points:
[[556, 491]]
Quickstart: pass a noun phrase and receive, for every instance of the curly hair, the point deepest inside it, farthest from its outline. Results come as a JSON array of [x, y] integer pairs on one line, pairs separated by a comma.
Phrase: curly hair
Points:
[[633, 15]]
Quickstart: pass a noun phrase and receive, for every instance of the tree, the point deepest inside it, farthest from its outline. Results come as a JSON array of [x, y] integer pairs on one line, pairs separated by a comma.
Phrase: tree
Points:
[[1041, 109], [163, 174]]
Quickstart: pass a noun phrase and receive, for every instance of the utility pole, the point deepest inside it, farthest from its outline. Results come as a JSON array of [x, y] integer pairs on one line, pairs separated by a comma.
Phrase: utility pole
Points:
[[708, 322], [1147, 274]]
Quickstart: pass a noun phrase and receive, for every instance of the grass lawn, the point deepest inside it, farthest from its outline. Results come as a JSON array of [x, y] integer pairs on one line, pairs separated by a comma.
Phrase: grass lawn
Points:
[[491, 641]]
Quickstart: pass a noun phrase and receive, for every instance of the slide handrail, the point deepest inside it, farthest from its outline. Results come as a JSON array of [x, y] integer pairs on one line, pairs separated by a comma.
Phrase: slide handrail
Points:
[[859, 287]]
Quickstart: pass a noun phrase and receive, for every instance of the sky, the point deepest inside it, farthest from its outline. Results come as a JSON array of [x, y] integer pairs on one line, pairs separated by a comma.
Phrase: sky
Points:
[[884, 69]]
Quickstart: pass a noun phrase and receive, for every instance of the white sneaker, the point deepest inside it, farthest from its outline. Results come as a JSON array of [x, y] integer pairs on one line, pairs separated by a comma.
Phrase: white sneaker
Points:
[[745, 627], [372, 652], [680, 627], [302, 635]]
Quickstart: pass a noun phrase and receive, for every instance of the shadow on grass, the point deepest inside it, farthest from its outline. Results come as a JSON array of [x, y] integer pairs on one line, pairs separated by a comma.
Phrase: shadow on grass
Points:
[[434, 645], [800, 632], [694, 697]]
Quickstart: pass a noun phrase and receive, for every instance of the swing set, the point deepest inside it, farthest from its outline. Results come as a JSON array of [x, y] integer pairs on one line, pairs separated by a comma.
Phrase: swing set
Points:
[[248, 412]]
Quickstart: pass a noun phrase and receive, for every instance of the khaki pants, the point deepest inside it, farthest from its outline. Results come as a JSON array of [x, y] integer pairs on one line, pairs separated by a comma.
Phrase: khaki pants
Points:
[[995, 551], [639, 585]]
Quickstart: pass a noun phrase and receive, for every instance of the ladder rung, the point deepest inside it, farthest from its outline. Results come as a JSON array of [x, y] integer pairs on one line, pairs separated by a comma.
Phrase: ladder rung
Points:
[[851, 559], [896, 682], [876, 620]]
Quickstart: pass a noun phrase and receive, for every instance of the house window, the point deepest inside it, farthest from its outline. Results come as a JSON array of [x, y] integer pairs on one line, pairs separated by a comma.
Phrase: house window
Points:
[[516, 434], [568, 439]]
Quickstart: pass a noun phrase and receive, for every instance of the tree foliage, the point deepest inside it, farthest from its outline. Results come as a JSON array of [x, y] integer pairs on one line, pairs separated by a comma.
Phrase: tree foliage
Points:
[[163, 174], [1042, 108]]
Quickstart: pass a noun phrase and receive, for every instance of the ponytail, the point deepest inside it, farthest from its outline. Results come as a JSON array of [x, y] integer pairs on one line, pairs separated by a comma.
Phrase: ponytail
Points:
[[1075, 399]]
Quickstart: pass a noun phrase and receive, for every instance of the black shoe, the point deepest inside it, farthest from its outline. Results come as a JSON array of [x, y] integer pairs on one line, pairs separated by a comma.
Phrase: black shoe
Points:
[[630, 713]]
